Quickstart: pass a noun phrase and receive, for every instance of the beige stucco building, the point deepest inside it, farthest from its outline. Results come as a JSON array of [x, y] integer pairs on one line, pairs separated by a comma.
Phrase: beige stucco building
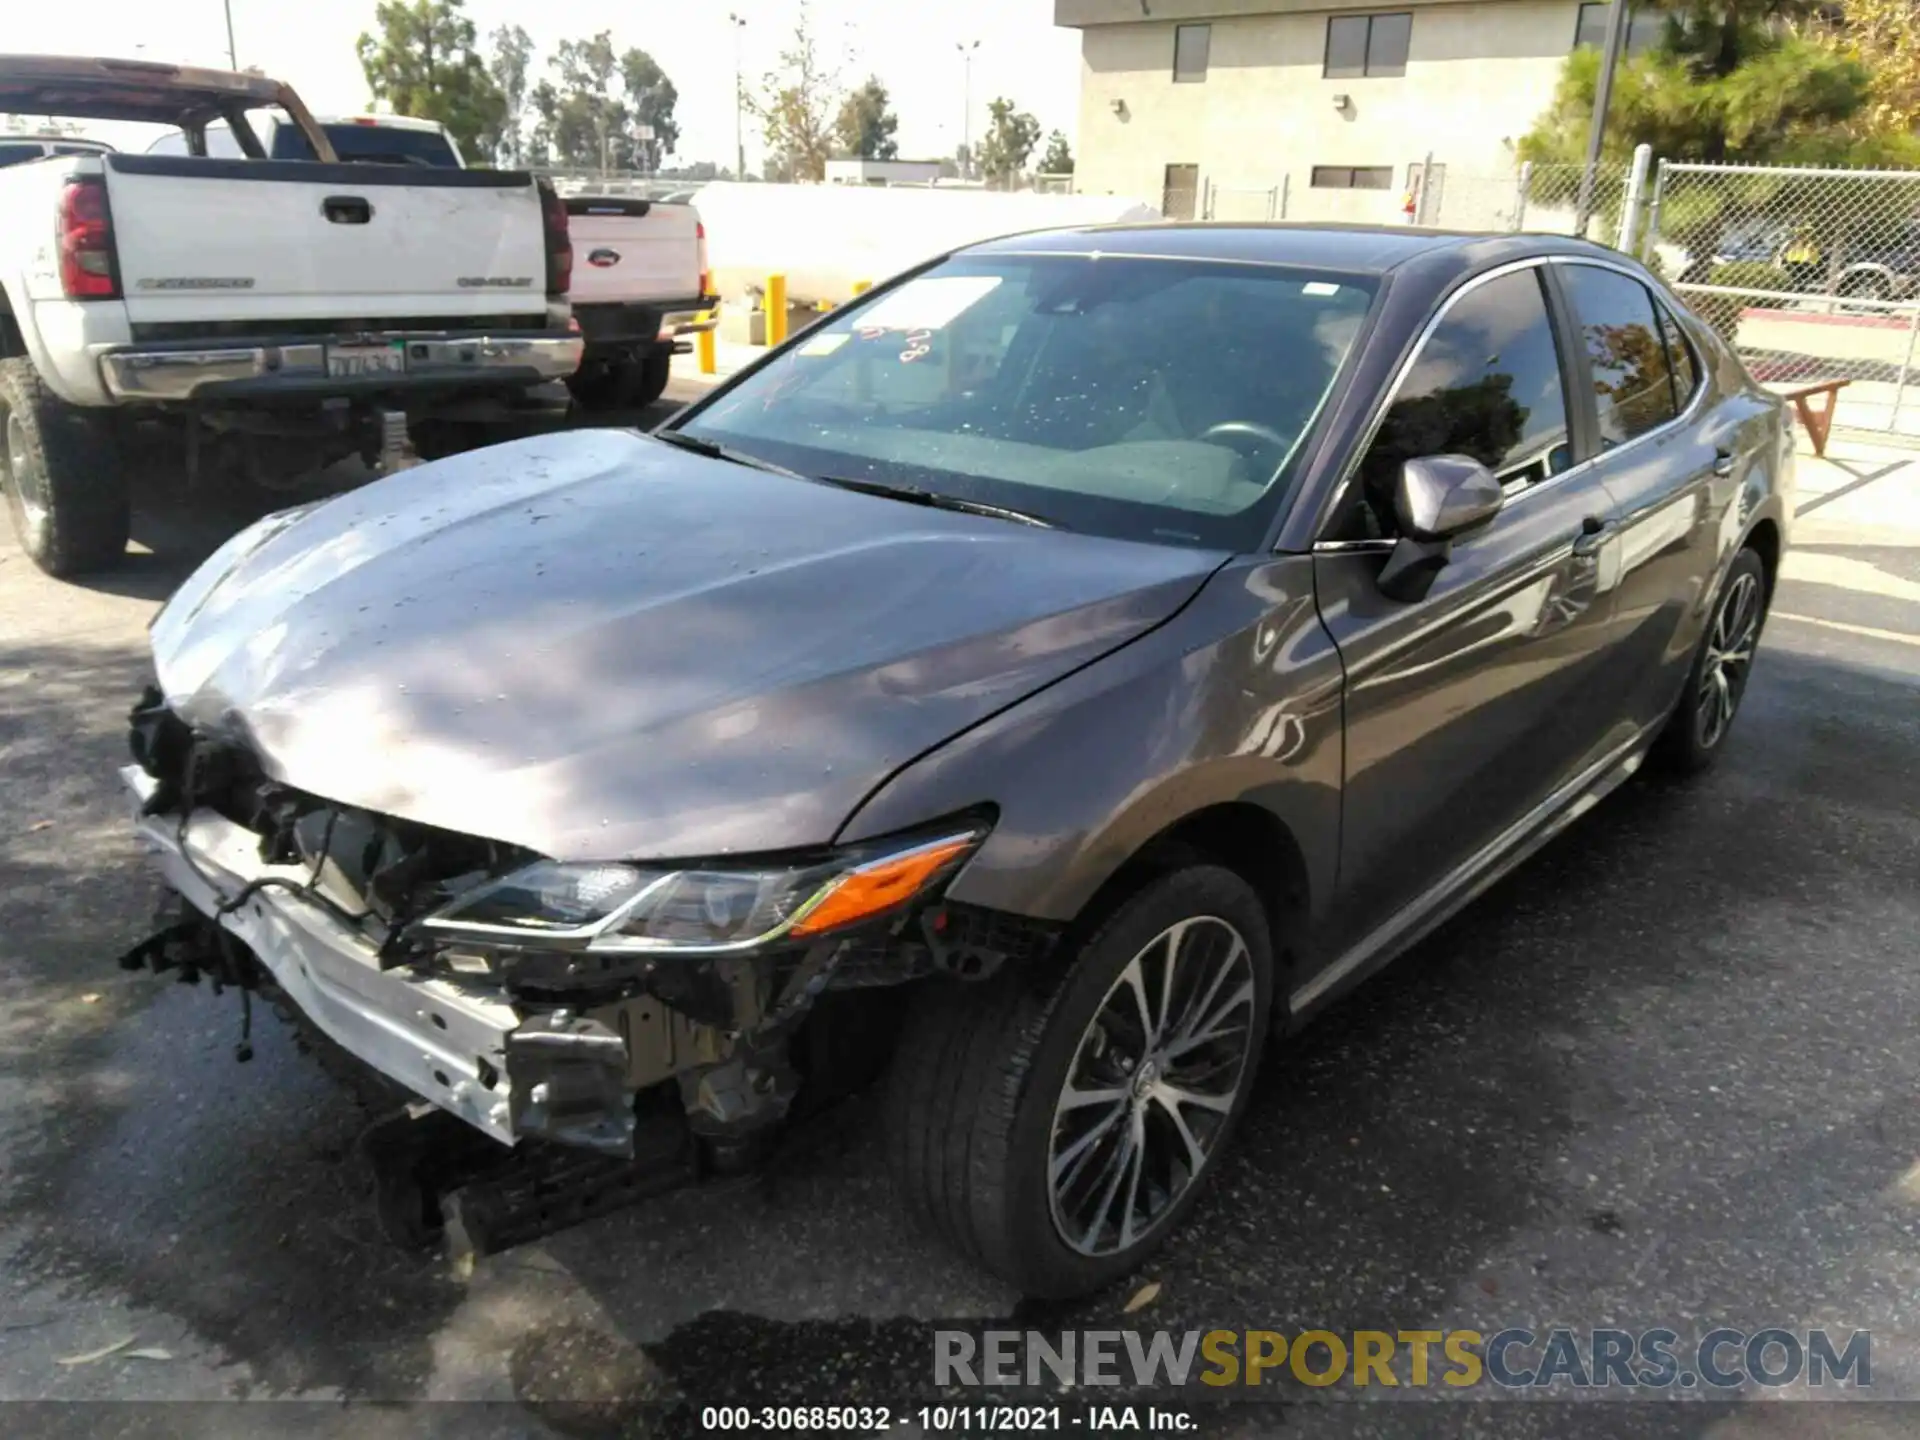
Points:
[[1327, 102]]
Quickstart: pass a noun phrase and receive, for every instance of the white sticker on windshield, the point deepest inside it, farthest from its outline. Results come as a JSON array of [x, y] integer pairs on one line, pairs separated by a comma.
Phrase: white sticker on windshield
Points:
[[1319, 287], [928, 304], [823, 344]]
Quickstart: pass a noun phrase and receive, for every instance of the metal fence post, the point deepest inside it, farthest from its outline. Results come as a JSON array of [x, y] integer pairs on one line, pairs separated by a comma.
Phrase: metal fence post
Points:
[[1636, 191], [1520, 205], [1426, 190], [1273, 200], [1649, 243], [1206, 200], [1286, 192], [1906, 369]]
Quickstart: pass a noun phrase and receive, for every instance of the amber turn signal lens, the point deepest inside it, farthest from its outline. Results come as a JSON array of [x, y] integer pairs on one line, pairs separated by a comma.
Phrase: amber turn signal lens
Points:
[[880, 886]]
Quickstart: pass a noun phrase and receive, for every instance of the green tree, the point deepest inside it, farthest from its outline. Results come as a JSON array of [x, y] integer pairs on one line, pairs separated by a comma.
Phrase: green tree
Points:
[[651, 97], [1884, 36], [512, 54], [1011, 136], [796, 107], [866, 124], [1732, 82], [422, 63], [1059, 159]]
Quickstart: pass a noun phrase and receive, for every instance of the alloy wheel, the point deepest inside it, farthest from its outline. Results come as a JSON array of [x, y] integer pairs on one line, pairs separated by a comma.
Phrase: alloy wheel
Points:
[[1152, 1086], [1729, 658], [28, 508]]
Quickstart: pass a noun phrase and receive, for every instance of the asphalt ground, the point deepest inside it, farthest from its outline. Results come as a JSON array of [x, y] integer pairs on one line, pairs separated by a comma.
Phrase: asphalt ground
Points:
[[1664, 1075]]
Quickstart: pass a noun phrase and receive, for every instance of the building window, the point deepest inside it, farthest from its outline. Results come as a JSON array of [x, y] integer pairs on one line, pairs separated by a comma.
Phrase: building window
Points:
[[1190, 46], [1643, 27], [1352, 177], [1363, 45]]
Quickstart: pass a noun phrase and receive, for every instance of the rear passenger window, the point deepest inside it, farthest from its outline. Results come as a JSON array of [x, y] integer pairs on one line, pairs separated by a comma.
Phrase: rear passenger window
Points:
[[1632, 380], [1686, 369], [1486, 383]]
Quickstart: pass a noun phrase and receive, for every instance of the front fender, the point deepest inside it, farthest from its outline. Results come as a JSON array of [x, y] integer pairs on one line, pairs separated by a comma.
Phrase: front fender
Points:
[[1237, 699]]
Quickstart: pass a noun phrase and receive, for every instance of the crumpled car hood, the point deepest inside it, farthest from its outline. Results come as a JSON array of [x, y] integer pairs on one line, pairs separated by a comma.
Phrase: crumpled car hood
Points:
[[597, 646]]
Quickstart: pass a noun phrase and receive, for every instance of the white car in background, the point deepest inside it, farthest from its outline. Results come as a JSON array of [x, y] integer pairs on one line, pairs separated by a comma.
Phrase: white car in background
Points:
[[641, 284], [20, 149]]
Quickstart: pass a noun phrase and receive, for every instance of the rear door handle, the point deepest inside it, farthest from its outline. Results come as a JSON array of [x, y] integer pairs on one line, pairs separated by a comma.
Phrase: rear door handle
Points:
[[1594, 530], [346, 209], [1722, 462]]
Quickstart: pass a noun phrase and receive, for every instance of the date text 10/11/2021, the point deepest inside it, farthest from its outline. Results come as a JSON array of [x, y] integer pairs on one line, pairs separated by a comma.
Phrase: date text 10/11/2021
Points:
[[947, 1419]]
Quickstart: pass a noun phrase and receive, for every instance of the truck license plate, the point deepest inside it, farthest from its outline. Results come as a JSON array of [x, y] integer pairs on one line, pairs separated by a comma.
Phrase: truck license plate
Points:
[[345, 362]]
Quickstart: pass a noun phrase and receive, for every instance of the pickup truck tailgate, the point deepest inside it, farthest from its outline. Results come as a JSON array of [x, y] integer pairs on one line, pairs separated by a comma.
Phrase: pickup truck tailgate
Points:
[[208, 240], [630, 250]]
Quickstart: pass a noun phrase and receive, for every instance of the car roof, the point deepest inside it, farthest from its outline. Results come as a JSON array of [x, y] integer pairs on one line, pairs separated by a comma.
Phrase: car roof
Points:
[[383, 122], [1352, 249]]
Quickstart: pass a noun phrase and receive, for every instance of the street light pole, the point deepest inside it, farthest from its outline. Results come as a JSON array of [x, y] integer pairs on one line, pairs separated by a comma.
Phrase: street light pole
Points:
[[966, 102], [1602, 92], [739, 103], [233, 60]]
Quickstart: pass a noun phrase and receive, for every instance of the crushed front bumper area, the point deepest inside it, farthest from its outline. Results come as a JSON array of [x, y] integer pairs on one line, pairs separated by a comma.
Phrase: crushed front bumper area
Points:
[[445, 1042]]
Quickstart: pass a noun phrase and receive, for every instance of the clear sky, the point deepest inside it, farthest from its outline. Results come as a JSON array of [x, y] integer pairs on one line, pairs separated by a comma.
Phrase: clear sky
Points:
[[910, 44]]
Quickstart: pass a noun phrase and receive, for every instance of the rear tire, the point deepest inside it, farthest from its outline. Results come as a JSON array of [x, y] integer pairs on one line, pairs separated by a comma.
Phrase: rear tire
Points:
[[1696, 732], [629, 383], [996, 1140], [63, 476]]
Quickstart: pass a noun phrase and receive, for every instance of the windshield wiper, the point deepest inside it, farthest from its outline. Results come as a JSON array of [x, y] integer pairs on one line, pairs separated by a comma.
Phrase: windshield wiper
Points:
[[693, 444], [934, 500]]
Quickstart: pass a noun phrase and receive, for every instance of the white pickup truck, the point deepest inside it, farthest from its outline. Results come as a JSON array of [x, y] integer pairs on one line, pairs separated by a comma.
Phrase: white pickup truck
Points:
[[641, 287], [301, 307]]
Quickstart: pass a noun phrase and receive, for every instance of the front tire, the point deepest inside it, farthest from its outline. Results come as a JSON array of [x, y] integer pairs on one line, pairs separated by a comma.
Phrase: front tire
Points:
[[1055, 1127], [62, 475], [1697, 730]]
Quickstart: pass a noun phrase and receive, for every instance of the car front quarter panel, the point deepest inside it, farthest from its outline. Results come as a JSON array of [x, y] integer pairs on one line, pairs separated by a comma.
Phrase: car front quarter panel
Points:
[[1234, 702]]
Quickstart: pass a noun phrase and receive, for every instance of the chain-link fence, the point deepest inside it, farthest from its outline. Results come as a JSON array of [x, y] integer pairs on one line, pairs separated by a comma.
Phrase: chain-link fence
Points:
[[1542, 198], [1813, 275], [1222, 202]]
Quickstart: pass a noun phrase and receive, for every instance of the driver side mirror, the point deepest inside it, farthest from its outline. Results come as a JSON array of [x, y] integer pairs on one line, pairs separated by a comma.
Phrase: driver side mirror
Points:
[[1435, 499]]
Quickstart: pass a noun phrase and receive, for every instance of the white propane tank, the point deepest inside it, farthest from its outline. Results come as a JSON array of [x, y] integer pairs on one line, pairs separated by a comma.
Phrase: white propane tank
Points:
[[824, 238]]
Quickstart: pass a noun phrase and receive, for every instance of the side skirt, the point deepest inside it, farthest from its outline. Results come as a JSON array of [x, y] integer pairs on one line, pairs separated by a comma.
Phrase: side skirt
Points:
[[1479, 872]]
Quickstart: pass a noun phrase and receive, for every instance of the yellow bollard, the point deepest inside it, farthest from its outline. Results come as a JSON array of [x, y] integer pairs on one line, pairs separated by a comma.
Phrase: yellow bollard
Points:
[[776, 309], [709, 362], [860, 287]]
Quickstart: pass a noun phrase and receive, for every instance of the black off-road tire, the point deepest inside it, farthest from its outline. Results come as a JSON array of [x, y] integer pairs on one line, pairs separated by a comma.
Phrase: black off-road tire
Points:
[[969, 1103], [628, 384], [1684, 746], [63, 474]]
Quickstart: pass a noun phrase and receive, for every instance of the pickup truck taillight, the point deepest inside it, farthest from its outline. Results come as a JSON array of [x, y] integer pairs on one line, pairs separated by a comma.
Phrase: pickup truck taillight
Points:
[[553, 216], [706, 273], [83, 235]]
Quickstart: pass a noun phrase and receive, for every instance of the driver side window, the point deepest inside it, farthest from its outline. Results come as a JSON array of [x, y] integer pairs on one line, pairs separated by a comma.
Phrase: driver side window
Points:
[[1486, 383]]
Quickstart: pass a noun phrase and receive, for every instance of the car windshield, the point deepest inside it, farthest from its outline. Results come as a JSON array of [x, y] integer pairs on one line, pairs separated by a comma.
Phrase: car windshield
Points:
[[1149, 399]]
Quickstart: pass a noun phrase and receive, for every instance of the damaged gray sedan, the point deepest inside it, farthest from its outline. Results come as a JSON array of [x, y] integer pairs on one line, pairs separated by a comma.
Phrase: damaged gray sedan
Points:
[[1035, 685]]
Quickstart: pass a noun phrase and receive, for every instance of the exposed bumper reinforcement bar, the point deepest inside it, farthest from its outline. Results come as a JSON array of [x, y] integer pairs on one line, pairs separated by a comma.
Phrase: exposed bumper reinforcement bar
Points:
[[179, 373], [442, 1041]]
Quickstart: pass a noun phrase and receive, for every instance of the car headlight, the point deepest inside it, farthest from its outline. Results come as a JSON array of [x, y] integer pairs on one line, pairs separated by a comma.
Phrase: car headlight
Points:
[[653, 909]]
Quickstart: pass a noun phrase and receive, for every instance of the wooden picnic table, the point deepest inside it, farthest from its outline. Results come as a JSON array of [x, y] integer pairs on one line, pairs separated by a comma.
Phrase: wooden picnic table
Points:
[[1817, 423]]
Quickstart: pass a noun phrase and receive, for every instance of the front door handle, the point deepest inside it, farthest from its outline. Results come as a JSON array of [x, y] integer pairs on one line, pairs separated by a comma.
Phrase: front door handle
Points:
[[1594, 530], [346, 209], [1722, 462]]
